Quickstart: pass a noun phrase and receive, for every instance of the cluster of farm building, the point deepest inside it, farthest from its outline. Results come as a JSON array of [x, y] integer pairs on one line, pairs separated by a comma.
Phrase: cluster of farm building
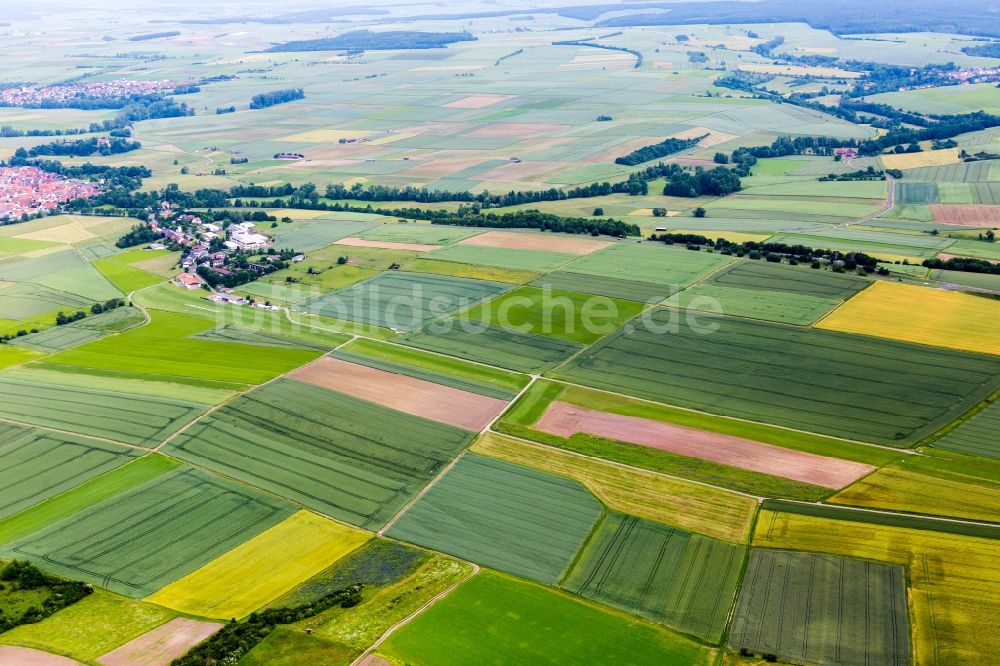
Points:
[[28, 191], [29, 95]]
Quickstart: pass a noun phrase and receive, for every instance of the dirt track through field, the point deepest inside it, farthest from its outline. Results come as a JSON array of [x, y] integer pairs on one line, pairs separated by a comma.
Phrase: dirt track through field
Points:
[[525, 241], [405, 394], [386, 245], [162, 645], [565, 420], [20, 656]]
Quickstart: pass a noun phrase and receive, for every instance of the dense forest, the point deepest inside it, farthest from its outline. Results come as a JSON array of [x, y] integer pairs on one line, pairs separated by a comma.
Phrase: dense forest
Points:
[[658, 150], [366, 40], [80, 148]]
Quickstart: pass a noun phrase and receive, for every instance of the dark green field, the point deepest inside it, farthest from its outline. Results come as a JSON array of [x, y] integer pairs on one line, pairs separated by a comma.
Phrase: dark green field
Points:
[[843, 385], [346, 457], [683, 580], [771, 277], [38, 465], [976, 436], [137, 542], [823, 609], [493, 345], [504, 516], [630, 290], [404, 301]]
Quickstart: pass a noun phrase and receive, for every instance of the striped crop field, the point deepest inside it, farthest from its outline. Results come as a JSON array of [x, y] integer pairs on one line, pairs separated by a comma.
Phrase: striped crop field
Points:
[[851, 386], [793, 605]]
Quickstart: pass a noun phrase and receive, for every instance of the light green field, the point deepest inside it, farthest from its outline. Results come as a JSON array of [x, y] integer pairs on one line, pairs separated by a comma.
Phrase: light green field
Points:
[[120, 269], [572, 316], [432, 234], [528, 623], [656, 264], [525, 260], [165, 348]]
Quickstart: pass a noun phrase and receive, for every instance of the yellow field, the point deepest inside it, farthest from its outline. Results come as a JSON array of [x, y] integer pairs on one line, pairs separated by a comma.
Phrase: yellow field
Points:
[[924, 159], [70, 232], [954, 580], [920, 314], [799, 70], [709, 511], [943, 494], [398, 136], [262, 569]]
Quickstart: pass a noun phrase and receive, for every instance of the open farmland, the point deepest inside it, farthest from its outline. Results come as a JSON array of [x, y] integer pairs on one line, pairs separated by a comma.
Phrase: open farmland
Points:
[[403, 300], [161, 645], [814, 380], [93, 626], [629, 290], [711, 511], [521, 620], [568, 315], [525, 260], [793, 605], [166, 348], [975, 436], [120, 416], [138, 541], [494, 345], [417, 397], [685, 581], [444, 370], [663, 266], [504, 516], [121, 270], [424, 234], [352, 459], [917, 314], [278, 559], [527, 241], [38, 465], [952, 603]]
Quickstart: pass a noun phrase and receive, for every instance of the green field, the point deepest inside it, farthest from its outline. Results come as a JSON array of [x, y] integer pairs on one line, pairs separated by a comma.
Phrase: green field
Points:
[[655, 264], [120, 269], [26, 300], [529, 624], [351, 459], [493, 345], [307, 235], [63, 271], [38, 465], [136, 542], [823, 609], [403, 300], [780, 307], [686, 581], [504, 516], [580, 318], [842, 385], [60, 338], [165, 348], [975, 436], [433, 368], [430, 234], [143, 420], [524, 260], [801, 280], [629, 290]]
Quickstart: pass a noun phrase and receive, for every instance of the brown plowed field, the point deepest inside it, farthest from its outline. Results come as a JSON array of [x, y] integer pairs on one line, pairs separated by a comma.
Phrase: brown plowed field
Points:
[[564, 420], [526, 241], [967, 215], [477, 101], [162, 645], [20, 656], [405, 394], [387, 245]]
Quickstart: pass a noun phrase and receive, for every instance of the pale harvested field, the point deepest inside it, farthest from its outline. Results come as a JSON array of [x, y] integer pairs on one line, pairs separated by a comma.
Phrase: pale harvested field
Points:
[[162, 645], [967, 215], [387, 245], [21, 656], [477, 101], [520, 130], [565, 420], [663, 64], [926, 316], [71, 232], [923, 159], [521, 171], [444, 166], [945, 256], [405, 394], [526, 241]]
